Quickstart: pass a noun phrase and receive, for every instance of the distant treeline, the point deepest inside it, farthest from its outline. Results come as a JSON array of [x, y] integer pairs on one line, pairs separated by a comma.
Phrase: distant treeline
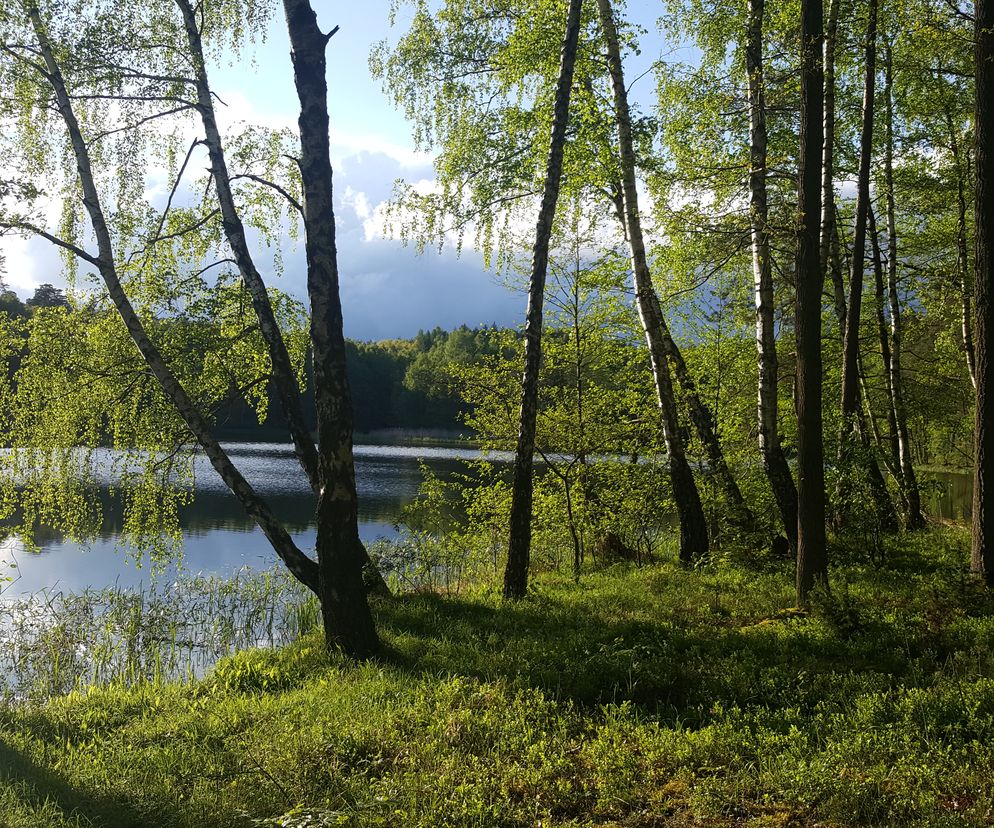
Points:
[[395, 383]]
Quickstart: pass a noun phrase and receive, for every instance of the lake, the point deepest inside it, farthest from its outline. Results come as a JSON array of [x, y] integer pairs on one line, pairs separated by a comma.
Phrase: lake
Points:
[[219, 539]]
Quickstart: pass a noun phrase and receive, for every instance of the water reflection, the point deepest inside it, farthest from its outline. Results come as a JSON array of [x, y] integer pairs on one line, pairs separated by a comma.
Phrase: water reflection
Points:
[[217, 536], [948, 495]]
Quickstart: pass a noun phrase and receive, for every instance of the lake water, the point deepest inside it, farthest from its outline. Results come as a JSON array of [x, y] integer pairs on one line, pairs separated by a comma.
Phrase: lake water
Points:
[[218, 538]]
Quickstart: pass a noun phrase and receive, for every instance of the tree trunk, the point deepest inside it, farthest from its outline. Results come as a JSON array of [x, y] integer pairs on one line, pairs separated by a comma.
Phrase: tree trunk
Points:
[[693, 527], [982, 560], [302, 567], [284, 378], [962, 251], [829, 215], [519, 538], [883, 336], [850, 367], [774, 462], [909, 481], [812, 560], [704, 424], [348, 622]]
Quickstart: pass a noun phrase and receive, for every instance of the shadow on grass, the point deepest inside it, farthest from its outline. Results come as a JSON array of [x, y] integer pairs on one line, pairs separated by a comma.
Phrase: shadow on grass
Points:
[[681, 643], [44, 790]]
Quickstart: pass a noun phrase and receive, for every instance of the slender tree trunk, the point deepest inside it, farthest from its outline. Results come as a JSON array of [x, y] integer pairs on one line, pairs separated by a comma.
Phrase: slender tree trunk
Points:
[[283, 374], [693, 526], [983, 480], [829, 214], [700, 413], [812, 559], [705, 427], [519, 538], [774, 462], [850, 367], [883, 335], [302, 567], [962, 251], [348, 622], [915, 518]]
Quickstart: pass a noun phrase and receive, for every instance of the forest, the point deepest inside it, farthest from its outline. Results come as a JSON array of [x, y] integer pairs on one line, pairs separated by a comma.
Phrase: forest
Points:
[[691, 576]]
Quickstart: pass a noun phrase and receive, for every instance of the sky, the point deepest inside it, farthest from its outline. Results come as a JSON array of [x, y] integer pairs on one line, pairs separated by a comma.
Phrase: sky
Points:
[[388, 289]]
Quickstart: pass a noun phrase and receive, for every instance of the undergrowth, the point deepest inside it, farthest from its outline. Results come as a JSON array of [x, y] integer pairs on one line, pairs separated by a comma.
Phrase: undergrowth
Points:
[[660, 696]]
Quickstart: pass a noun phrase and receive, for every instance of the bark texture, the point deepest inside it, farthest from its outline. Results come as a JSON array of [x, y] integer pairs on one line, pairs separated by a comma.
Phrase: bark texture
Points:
[[812, 560], [693, 527], [519, 537], [982, 559], [348, 622], [774, 462]]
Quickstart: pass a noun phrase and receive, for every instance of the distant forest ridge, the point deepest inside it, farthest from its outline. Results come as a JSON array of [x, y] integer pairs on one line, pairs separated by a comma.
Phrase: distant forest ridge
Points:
[[396, 384]]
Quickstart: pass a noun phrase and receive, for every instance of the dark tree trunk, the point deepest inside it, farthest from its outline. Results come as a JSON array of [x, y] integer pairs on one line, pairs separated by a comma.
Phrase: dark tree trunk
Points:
[[983, 481], [693, 526], [774, 463], [520, 535], [812, 560], [348, 622]]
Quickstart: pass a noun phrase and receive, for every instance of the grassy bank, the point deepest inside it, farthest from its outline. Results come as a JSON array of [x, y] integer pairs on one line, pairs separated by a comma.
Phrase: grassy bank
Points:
[[647, 697]]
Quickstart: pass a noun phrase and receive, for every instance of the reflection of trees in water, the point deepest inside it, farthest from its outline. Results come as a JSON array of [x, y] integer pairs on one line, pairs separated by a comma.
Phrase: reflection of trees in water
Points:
[[948, 494], [386, 485]]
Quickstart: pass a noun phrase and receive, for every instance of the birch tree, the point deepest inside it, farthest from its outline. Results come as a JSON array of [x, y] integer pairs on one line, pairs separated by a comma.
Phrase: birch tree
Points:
[[112, 75]]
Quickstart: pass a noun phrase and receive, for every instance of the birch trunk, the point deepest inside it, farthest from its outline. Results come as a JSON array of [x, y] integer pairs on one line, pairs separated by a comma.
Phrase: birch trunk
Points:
[[914, 518], [962, 252], [883, 336], [829, 214], [693, 527], [774, 461], [234, 231], [302, 567], [519, 537], [284, 378], [850, 366], [348, 622], [812, 560]]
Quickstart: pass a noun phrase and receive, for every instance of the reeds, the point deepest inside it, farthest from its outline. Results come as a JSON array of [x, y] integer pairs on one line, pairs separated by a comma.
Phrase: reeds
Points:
[[53, 643]]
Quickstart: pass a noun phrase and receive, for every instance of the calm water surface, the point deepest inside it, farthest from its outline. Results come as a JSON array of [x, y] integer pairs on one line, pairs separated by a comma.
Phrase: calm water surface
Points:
[[217, 536], [219, 539]]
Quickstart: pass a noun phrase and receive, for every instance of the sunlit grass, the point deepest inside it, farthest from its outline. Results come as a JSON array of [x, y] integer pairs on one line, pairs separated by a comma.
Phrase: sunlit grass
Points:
[[642, 697]]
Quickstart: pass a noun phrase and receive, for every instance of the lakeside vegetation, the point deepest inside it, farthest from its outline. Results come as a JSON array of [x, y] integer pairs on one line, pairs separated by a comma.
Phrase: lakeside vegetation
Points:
[[642, 697], [707, 592]]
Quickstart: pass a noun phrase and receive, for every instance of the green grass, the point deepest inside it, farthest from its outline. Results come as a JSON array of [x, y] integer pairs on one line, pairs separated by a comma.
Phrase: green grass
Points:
[[652, 697]]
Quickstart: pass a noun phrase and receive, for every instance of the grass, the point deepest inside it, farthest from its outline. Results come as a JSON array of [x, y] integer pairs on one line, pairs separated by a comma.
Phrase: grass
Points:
[[642, 697]]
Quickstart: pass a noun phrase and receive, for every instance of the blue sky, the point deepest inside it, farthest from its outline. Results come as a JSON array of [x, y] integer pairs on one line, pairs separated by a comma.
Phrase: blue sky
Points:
[[388, 289]]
